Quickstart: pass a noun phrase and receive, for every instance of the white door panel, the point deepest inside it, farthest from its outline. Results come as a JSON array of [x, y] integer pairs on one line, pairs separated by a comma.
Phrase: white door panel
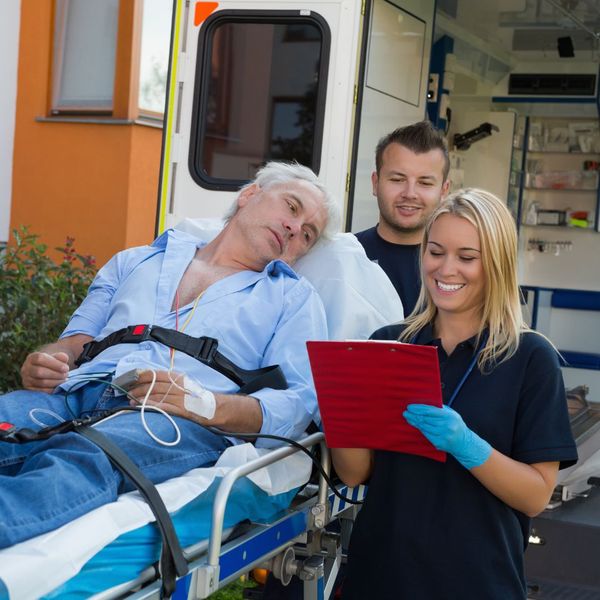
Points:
[[397, 38], [395, 89]]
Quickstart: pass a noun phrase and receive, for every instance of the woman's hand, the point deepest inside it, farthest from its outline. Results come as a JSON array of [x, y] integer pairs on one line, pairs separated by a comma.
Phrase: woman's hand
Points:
[[524, 487], [446, 430]]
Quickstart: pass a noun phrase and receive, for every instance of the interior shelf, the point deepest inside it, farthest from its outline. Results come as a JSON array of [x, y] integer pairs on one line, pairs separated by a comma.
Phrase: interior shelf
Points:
[[572, 171], [567, 152], [571, 227], [551, 189]]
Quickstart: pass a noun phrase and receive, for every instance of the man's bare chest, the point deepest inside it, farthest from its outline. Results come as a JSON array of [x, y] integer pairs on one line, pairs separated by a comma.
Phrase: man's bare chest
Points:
[[198, 277]]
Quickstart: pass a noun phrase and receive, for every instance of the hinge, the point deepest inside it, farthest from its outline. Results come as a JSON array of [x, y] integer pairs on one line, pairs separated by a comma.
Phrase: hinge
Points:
[[175, 148], [355, 99], [183, 62], [347, 182], [363, 7]]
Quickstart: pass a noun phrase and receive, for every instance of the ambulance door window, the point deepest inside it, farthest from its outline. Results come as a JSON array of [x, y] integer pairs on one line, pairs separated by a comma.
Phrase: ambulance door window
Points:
[[260, 95]]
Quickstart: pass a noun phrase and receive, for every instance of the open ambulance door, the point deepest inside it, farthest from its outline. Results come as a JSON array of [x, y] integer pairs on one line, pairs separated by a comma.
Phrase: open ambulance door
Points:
[[392, 92], [318, 81]]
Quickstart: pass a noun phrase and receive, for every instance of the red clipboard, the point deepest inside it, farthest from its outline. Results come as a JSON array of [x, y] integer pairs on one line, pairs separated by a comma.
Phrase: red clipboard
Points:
[[363, 387]]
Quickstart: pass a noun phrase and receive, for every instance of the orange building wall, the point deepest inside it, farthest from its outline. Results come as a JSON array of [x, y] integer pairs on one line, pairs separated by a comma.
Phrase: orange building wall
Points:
[[95, 182]]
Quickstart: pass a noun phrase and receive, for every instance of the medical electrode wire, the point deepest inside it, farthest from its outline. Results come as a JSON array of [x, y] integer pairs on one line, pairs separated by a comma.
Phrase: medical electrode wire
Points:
[[173, 381], [45, 411], [143, 406], [239, 435], [185, 323], [156, 408], [266, 436], [162, 412], [90, 376]]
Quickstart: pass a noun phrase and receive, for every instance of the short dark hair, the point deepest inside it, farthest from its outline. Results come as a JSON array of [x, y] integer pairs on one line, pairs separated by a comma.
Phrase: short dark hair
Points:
[[419, 137]]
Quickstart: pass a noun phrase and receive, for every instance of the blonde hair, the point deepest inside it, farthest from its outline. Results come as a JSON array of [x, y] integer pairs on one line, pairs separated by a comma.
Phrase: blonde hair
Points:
[[501, 310]]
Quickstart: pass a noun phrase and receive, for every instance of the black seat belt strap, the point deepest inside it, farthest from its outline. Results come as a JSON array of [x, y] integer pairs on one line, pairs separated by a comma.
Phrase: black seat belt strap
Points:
[[202, 348], [173, 563]]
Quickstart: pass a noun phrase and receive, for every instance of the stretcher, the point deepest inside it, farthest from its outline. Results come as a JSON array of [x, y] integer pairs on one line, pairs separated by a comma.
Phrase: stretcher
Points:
[[253, 507], [296, 543]]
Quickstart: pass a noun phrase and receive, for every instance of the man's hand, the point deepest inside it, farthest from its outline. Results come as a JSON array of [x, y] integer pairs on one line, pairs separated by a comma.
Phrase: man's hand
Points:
[[187, 398], [166, 393], [43, 371], [176, 394], [446, 430]]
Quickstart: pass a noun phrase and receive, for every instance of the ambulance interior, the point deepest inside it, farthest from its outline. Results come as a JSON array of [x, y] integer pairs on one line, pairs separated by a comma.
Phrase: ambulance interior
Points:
[[529, 68]]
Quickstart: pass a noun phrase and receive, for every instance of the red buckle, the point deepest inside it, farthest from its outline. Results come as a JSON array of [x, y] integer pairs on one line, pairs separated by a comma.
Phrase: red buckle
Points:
[[139, 330], [4, 426]]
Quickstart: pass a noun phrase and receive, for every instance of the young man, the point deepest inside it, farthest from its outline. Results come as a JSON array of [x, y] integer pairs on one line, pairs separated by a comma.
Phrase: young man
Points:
[[237, 289], [410, 179]]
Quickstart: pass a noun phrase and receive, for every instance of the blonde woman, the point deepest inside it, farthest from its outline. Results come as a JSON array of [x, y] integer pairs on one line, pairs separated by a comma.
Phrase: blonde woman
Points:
[[458, 530]]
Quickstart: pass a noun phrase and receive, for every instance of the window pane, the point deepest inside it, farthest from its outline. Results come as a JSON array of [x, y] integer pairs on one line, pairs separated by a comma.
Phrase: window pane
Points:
[[397, 36], [261, 97], [154, 59], [84, 53]]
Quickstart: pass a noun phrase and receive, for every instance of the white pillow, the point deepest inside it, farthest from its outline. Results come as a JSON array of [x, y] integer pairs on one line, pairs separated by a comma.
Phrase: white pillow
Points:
[[357, 294]]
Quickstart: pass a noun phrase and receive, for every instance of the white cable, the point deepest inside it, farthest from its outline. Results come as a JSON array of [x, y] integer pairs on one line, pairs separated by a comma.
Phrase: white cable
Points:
[[144, 407], [161, 411], [47, 412]]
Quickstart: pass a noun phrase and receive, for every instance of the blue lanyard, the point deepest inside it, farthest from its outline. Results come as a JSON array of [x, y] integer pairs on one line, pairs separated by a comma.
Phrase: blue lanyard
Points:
[[467, 372], [465, 376]]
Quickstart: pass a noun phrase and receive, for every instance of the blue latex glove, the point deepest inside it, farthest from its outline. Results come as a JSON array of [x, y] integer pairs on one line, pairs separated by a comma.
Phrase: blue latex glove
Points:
[[446, 430]]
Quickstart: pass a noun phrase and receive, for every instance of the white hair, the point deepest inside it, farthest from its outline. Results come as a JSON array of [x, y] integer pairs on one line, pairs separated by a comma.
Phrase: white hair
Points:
[[277, 173]]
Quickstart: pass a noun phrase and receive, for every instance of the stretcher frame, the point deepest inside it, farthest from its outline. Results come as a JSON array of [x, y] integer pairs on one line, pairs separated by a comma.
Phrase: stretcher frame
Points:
[[299, 532]]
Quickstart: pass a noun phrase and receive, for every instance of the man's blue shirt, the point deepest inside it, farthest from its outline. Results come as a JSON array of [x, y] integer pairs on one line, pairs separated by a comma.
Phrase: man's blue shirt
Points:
[[259, 318]]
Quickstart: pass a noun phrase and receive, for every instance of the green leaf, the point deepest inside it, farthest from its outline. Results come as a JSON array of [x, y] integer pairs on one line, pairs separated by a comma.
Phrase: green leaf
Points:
[[37, 298]]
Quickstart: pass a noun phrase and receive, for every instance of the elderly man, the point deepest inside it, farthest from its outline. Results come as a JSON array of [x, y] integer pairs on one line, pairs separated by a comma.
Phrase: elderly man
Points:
[[237, 289]]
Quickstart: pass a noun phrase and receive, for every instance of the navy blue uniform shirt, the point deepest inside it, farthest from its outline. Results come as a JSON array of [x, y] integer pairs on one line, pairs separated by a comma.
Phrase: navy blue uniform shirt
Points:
[[430, 530]]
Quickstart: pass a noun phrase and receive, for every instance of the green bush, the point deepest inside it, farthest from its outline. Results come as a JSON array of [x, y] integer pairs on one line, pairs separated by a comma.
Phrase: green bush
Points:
[[37, 297], [233, 591]]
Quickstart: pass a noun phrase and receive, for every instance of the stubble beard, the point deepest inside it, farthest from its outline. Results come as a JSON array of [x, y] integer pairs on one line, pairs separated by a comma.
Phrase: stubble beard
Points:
[[404, 229]]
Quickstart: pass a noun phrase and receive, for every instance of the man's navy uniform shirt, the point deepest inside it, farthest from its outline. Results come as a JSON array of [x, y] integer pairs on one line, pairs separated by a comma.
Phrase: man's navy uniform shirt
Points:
[[430, 530], [400, 263]]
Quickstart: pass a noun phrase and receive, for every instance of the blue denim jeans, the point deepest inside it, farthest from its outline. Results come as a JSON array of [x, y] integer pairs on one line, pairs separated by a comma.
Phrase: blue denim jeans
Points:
[[46, 484]]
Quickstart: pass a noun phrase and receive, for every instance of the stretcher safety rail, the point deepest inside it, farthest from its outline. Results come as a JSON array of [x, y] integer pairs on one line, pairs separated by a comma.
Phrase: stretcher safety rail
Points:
[[215, 564]]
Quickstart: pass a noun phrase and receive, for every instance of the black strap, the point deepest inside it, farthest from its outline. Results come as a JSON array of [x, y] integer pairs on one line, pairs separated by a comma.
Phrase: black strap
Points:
[[202, 348], [9, 433], [173, 563]]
